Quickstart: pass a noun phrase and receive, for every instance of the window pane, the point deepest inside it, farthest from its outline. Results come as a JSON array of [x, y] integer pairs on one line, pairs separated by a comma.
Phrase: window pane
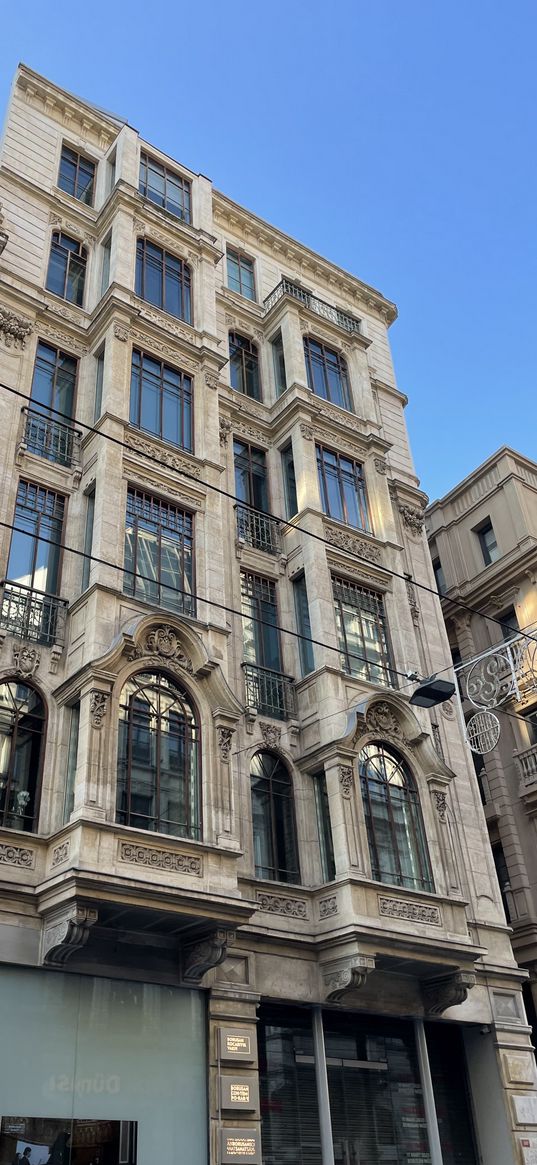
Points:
[[57, 271], [303, 625], [289, 481]]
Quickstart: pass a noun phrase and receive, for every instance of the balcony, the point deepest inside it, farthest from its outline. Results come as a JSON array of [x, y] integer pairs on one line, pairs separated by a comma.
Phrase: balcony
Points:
[[30, 614], [51, 439], [258, 530], [318, 306], [269, 692]]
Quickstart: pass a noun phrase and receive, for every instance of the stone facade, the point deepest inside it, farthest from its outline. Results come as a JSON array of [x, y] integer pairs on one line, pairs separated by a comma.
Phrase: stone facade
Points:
[[80, 879]]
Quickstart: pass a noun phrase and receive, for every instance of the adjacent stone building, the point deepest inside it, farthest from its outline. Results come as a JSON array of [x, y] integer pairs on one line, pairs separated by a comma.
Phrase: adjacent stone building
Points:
[[248, 907], [483, 540]]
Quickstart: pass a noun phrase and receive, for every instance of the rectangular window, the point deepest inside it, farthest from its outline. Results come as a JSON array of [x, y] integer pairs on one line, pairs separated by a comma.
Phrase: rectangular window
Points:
[[509, 623], [362, 632], [244, 366], [503, 876], [324, 828], [161, 400], [488, 544], [342, 488], [278, 358], [327, 373], [66, 273], [251, 490], [99, 376], [163, 280], [34, 556], [439, 576], [261, 638], [165, 188], [52, 400], [240, 273], [72, 757], [77, 175], [307, 662], [159, 566], [88, 539], [105, 268], [289, 482]]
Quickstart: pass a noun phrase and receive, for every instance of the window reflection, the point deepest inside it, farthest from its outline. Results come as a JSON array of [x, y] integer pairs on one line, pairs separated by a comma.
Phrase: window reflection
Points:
[[27, 1140]]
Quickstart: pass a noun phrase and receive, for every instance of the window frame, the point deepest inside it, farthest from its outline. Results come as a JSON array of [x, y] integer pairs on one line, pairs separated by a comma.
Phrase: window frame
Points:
[[281, 872], [347, 656], [181, 395], [35, 534], [324, 826], [169, 175], [289, 480], [18, 681], [482, 530], [241, 259], [355, 477], [245, 348], [84, 158], [260, 625], [67, 254], [185, 280], [278, 364], [138, 521], [305, 644], [342, 370], [418, 853]]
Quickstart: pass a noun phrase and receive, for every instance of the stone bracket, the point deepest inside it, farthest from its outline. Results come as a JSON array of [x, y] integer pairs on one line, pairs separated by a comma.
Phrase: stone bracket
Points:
[[346, 974], [445, 991], [207, 952], [63, 936]]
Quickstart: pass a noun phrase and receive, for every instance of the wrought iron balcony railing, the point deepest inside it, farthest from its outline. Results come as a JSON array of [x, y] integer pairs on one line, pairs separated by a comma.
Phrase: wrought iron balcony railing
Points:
[[342, 318], [51, 439], [270, 692], [258, 530], [32, 615]]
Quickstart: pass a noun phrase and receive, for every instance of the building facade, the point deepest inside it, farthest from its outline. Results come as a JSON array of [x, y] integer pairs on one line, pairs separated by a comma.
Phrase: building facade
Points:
[[248, 906], [483, 539]]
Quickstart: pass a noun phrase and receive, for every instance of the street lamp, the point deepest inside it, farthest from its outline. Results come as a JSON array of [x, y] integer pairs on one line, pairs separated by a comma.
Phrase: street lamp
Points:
[[432, 691]]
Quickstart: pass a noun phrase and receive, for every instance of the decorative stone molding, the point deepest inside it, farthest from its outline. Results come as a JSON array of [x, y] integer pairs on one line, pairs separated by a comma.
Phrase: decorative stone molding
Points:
[[153, 858], [162, 644], [409, 911], [328, 906], [413, 601], [352, 544], [448, 709], [64, 938], [211, 380], [14, 329], [413, 518], [307, 431], [346, 781], [446, 991], [252, 433], [98, 706], [347, 974], [271, 735], [63, 338], [437, 739], [225, 427], [380, 718], [181, 496], [171, 460], [17, 855], [225, 736], [209, 952], [121, 333], [440, 800], [26, 659], [60, 853], [280, 904], [381, 465], [163, 350], [164, 322]]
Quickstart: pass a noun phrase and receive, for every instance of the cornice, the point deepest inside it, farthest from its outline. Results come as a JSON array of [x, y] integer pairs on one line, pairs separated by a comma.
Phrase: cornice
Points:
[[389, 389], [71, 112]]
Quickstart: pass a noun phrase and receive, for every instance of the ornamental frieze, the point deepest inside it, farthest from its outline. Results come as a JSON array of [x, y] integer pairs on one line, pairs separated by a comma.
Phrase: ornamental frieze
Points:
[[409, 911], [14, 329], [17, 855], [172, 460], [280, 904], [352, 544], [160, 859]]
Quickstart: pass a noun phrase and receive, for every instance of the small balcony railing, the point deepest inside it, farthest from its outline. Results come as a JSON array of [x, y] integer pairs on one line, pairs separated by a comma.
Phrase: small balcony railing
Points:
[[32, 615], [51, 439], [270, 692], [326, 310], [526, 763], [258, 530]]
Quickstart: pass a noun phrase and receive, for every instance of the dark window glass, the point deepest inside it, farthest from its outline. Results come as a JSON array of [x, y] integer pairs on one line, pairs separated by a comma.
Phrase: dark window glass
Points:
[[88, 539], [342, 486], [163, 280], [324, 828], [327, 373], [307, 662], [397, 845], [362, 632], [158, 767], [22, 726], [250, 475], [244, 366], [34, 556], [77, 175], [439, 576], [161, 400], [289, 481], [72, 758], [105, 268], [273, 818], [165, 188], [99, 377], [488, 543], [288, 1093], [240, 274], [54, 380], [503, 876], [509, 623], [261, 637], [159, 565], [451, 1096], [279, 364], [67, 268]]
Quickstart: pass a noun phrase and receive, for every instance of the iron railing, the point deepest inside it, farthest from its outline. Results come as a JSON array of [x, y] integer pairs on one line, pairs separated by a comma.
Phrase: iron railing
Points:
[[526, 763], [326, 310], [51, 439], [258, 530], [270, 692], [32, 615]]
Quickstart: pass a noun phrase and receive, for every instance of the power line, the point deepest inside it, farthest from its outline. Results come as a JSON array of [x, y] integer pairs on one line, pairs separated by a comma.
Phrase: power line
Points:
[[404, 577]]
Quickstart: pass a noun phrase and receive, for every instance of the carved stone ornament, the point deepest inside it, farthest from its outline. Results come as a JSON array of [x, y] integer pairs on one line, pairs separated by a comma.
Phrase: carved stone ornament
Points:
[[208, 952], [225, 427], [26, 659], [281, 904], [440, 800], [344, 975], [409, 911], [153, 858], [163, 644], [413, 601], [381, 465], [211, 380], [225, 736], [163, 456], [346, 781], [271, 735], [448, 709], [64, 938], [17, 855], [446, 991], [328, 906], [380, 718], [121, 333], [352, 544], [60, 853], [412, 518], [307, 431], [14, 329], [98, 706]]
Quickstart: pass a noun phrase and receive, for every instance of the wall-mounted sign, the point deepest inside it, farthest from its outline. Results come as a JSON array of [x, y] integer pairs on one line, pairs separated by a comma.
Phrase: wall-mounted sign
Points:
[[239, 1093], [237, 1045], [240, 1145]]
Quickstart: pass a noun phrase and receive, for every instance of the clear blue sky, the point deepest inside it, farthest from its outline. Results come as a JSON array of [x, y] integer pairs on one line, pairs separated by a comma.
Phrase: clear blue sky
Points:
[[396, 138]]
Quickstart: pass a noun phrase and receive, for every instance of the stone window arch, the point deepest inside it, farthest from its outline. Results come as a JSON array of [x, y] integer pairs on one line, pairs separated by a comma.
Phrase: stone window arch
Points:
[[273, 819], [159, 757], [22, 739], [394, 821]]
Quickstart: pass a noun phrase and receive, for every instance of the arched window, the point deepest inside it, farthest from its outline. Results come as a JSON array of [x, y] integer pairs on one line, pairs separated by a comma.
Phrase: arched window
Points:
[[273, 816], [158, 757], [393, 818], [22, 729]]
